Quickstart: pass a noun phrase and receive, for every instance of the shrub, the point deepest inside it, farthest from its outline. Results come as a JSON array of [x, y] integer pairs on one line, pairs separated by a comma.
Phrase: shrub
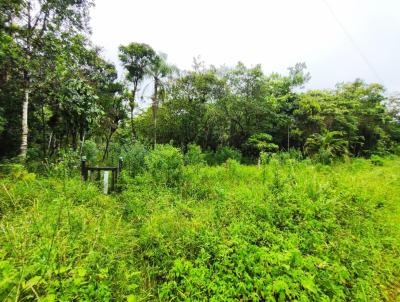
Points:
[[326, 147], [90, 150], [233, 168], [295, 154], [261, 142], [225, 153], [133, 158], [209, 157], [396, 150], [194, 156], [165, 165], [324, 157], [67, 164], [16, 172], [33, 154]]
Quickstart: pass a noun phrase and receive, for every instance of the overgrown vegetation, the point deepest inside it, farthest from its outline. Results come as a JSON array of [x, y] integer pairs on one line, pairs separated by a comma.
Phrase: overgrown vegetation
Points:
[[288, 230], [193, 218]]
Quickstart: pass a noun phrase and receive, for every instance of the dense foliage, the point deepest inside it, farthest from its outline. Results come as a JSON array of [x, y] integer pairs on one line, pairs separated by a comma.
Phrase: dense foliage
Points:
[[289, 230], [57, 92]]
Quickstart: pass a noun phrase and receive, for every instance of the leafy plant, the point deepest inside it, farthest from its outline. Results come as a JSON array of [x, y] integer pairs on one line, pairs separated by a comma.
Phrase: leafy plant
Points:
[[194, 155], [165, 165], [91, 151], [134, 159], [225, 153], [262, 142], [327, 146]]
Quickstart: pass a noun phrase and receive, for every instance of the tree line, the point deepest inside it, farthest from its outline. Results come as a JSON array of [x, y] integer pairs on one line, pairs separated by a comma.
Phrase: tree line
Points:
[[58, 93]]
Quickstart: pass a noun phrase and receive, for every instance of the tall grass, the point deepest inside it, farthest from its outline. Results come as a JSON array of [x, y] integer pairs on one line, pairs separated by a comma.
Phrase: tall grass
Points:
[[289, 230]]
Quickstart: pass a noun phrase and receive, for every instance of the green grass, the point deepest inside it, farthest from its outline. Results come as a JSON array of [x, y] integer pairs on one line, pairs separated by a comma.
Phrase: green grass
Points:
[[288, 231]]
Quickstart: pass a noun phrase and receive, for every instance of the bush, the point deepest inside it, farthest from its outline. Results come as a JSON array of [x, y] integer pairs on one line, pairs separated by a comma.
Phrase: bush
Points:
[[209, 157], [323, 157], [261, 142], [199, 182], [91, 151], [396, 150], [33, 154], [295, 154], [233, 168], [67, 164], [165, 165], [194, 156], [133, 158], [222, 155], [16, 172], [326, 147]]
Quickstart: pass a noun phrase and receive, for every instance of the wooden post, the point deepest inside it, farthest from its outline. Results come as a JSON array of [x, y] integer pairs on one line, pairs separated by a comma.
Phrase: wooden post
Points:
[[84, 171], [113, 179]]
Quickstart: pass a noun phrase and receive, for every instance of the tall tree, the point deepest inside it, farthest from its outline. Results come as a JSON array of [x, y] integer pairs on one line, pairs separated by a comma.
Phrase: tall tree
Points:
[[137, 59], [35, 20], [158, 71], [393, 105]]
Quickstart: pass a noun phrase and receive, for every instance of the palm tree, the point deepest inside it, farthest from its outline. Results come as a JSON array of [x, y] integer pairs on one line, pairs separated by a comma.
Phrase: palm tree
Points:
[[158, 71]]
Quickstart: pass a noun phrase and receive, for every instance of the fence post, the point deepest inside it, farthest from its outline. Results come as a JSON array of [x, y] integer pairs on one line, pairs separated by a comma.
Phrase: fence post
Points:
[[84, 171], [105, 180], [113, 179]]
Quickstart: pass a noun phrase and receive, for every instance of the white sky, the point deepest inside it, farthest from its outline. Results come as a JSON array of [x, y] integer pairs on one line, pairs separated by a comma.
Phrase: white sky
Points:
[[274, 33]]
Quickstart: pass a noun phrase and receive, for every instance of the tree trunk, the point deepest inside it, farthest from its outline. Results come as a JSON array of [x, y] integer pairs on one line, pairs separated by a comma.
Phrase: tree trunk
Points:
[[74, 139], [43, 131], [155, 109], [132, 106], [49, 144], [24, 134], [82, 144], [25, 103], [108, 139], [132, 125]]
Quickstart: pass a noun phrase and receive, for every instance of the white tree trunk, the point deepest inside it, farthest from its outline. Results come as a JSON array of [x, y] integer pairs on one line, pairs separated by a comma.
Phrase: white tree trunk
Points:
[[24, 134]]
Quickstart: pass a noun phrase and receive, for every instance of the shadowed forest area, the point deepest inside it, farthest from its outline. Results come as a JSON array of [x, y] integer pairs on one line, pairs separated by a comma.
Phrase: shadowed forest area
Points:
[[237, 184]]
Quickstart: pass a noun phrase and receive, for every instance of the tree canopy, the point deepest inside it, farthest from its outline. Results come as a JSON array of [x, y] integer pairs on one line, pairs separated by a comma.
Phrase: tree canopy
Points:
[[57, 92]]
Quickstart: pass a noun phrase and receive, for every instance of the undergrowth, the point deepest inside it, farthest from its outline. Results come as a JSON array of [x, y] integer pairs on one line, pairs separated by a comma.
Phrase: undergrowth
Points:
[[286, 231]]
